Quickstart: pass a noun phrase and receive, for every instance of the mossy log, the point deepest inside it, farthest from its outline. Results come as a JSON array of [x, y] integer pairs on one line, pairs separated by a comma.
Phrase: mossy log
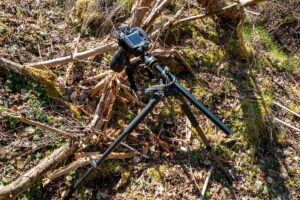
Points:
[[44, 77]]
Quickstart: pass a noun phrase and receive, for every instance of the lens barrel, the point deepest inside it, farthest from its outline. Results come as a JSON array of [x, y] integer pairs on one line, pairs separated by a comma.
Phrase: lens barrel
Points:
[[117, 63]]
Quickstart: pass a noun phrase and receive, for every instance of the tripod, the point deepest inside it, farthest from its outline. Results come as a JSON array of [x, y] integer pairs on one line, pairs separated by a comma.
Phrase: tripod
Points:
[[169, 87]]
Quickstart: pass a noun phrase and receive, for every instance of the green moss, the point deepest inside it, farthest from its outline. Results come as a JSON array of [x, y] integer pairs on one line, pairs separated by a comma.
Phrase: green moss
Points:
[[294, 107], [294, 183], [3, 27], [47, 79], [157, 174], [127, 4], [111, 167], [279, 58], [34, 192], [125, 179], [73, 109]]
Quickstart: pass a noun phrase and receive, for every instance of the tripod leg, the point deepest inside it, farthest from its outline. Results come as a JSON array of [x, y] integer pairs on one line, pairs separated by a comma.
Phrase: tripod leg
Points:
[[133, 124], [185, 107]]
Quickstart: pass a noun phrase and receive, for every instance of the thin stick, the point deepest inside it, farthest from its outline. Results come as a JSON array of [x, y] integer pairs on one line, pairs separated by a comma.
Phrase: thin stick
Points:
[[111, 47], [243, 3], [156, 11], [123, 144], [24, 181], [130, 96], [71, 65], [99, 87], [207, 181], [139, 10], [40, 125], [286, 124], [168, 24], [97, 77], [83, 161], [285, 108]]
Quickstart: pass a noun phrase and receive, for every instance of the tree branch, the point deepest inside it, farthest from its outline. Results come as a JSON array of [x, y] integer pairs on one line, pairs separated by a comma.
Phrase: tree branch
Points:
[[111, 47], [27, 179]]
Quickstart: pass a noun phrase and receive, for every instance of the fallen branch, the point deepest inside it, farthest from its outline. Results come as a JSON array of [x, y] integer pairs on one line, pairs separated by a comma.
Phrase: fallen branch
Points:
[[286, 124], [139, 10], [97, 77], [40, 125], [155, 13], [207, 181], [111, 47], [99, 87], [130, 96], [27, 179], [44, 77], [123, 144], [69, 70], [243, 3], [84, 160], [285, 108], [168, 24]]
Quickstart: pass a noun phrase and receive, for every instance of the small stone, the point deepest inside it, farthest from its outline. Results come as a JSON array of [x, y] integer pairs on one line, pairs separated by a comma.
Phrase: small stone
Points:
[[102, 195], [258, 184], [206, 162], [74, 96], [136, 159], [183, 149], [262, 161], [270, 180]]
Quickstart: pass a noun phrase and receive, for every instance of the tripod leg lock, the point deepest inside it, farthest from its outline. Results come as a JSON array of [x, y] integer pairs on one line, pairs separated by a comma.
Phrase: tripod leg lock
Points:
[[93, 163]]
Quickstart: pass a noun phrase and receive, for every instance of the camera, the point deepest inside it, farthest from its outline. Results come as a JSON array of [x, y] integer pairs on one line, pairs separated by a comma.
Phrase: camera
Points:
[[133, 41]]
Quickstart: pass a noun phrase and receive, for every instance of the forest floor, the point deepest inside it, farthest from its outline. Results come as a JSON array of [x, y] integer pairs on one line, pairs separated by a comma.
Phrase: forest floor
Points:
[[178, 164]]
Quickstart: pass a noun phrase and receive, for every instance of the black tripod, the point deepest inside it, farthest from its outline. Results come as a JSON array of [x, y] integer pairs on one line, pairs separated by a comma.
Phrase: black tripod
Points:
[[169, 87]]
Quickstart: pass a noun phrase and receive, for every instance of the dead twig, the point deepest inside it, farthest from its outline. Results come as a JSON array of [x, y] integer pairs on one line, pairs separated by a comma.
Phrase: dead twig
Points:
[[130, 96], [84, 159], [206, 181], [286, 124], [168, 24], [111, 47], [23, 119], [99, 87], [97, 77], [287, 109], [242, 3], [177, 54], [139, 10], [27, 179], [155, 13], [71, 64]]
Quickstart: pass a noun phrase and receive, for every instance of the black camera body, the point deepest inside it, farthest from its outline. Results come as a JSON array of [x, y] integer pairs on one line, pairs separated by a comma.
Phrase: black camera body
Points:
[[134, 40]]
